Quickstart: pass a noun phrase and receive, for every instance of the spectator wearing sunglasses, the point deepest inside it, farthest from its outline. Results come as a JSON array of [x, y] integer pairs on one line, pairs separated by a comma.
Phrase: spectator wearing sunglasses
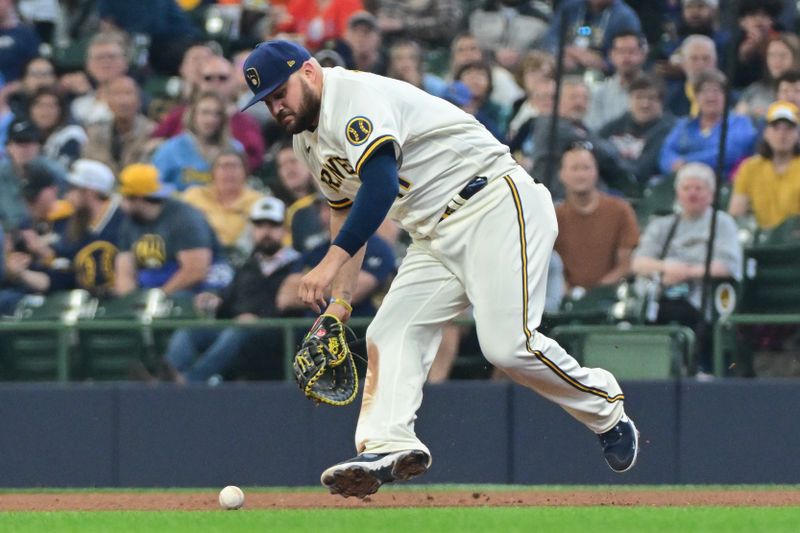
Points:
[[216, 76]]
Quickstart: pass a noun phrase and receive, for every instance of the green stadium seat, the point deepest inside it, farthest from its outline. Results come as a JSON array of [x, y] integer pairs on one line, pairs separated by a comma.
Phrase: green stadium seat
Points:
[[640, 352], [590, 307], [33, 354], [657, 199], [770, 279], [123, 347]]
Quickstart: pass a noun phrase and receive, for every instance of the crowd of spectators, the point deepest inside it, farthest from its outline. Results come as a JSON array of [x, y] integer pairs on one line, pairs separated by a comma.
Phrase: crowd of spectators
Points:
[[126, 164]]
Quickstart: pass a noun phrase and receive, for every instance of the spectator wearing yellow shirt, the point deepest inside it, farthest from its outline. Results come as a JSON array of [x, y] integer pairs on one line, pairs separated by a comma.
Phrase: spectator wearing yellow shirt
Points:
[[768, 183], [226, 202]]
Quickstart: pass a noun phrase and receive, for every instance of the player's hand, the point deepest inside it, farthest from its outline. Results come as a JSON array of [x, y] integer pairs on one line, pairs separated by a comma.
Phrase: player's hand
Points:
[[314, 285]]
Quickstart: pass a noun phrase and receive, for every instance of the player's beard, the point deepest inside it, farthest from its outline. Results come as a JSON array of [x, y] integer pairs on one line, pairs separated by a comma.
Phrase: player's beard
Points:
[[306, 115]]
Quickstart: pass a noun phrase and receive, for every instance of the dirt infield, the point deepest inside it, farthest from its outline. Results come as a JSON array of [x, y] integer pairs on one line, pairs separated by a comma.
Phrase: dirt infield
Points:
[[191, 501]]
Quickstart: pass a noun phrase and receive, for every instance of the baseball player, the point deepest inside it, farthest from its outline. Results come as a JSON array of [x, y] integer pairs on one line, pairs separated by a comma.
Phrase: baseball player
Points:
[[482, 229]]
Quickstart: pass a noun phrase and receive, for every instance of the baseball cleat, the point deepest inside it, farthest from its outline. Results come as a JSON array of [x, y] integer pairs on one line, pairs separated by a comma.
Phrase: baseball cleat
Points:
[[364, 474], [621, 445]]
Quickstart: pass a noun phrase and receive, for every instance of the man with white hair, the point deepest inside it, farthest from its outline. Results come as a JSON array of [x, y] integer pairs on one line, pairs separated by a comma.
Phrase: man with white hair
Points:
[[672, 252], [697, 54]]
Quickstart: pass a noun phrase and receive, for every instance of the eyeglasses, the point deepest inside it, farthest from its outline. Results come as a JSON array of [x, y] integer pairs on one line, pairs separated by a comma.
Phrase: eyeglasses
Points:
[[580, 145], [215, 77]]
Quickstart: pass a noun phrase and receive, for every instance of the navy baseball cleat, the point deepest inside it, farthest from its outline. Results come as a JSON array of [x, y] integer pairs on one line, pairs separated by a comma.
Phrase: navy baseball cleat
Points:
[[621, 445], [364, 474]]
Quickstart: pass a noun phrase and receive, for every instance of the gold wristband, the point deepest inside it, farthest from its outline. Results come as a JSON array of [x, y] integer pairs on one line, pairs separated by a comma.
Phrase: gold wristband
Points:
[[342, 303]]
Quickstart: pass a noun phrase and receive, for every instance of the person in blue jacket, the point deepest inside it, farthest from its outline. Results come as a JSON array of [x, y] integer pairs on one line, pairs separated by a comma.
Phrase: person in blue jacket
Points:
[[697, 139]]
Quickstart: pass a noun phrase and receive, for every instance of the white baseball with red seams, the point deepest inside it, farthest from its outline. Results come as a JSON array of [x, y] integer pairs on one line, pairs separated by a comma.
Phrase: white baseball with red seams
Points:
[[231, 497]]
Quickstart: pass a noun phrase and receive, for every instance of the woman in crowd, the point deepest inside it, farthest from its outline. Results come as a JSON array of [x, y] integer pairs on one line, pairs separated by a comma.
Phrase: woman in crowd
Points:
[[226, 202], [782, 55], [697, 139], [63, 141], [768, 183], [405, 63], [38, 73], [478, 79], [185, 160]]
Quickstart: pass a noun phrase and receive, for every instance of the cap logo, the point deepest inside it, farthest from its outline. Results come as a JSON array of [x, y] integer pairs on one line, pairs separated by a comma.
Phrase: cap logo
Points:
[[252, 76], [291, 63], [358, 130]]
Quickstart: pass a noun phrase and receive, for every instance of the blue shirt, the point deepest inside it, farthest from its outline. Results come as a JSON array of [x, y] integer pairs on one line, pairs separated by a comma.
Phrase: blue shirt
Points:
[[158, 18], [18, 45], [180, 163], [688, 143], [599, 30]]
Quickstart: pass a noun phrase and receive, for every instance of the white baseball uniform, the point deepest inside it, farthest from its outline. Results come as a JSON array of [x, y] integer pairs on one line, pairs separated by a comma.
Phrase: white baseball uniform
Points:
[[492, 251]]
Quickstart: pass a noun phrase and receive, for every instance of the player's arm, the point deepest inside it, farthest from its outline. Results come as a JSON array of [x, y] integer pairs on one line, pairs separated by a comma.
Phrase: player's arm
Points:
[[350, 230], [345, 283]]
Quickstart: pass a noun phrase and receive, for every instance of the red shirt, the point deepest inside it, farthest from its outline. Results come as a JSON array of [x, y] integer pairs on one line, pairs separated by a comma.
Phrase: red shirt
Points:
[[319, 25]]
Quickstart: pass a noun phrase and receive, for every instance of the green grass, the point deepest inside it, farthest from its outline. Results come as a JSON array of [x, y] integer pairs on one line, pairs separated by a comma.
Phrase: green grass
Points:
[[561, 520]]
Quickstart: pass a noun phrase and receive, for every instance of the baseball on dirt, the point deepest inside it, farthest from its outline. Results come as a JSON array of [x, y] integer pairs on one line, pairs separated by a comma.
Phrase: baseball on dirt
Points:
[[231, 497]]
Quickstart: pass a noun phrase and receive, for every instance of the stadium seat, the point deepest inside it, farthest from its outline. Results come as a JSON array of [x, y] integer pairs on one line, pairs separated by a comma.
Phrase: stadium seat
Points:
[[770, 279], [658, 199], [590, 307], [32, 343], [115, 344], [639, 352]]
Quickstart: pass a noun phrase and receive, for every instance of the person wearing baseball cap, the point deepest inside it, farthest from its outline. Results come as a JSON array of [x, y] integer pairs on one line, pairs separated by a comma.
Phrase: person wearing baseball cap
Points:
[[280, 59], [460, 196], [93, 176], [141, 180], [86, 244], [268, 209], [165, 243], [257, 291], [767, 183]]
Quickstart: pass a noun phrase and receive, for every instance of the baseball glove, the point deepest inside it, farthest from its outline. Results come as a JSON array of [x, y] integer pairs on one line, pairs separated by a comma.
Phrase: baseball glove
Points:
[[324, 366]]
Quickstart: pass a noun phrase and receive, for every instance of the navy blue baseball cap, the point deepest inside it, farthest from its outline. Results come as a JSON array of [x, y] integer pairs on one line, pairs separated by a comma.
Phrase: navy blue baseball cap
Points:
[[270, 65]]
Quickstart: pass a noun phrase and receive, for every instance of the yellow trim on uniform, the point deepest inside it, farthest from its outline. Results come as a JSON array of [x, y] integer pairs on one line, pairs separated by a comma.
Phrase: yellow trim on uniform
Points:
[[537, 353], [374, 145], [523, 244], [574, 382], [404, 183], [340, 204]]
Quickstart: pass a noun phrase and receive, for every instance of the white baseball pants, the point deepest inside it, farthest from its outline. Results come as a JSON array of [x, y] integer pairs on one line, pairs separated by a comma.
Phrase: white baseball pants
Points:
[[493, 253]]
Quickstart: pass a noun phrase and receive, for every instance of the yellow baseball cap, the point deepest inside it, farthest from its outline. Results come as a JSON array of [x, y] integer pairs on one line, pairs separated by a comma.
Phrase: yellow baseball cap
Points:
[[782, 110], [141, 179]]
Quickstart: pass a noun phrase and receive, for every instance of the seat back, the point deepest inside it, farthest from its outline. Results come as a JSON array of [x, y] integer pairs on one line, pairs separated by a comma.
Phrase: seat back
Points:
[[633, 356], [634, 352], [121, 349], [770, 282], [33, 354]]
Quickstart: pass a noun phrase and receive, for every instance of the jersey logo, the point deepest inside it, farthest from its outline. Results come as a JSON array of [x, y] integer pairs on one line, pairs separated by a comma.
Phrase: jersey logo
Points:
[[150, 251], [252, 76], [358, 130]]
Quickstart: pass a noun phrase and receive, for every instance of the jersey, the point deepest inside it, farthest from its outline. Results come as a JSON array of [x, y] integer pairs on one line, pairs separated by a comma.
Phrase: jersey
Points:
[[88, 262], [439, 147]]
